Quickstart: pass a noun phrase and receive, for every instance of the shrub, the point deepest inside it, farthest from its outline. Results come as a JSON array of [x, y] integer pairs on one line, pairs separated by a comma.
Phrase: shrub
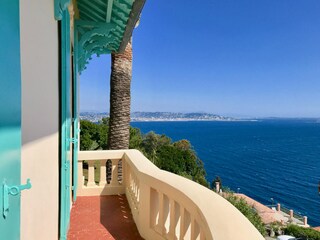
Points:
[[301, 232], [247, 211]]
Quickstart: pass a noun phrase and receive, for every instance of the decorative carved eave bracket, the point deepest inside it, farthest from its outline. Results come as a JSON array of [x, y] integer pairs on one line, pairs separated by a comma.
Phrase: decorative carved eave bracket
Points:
[[94, 38], [59, 7], [103, 26]]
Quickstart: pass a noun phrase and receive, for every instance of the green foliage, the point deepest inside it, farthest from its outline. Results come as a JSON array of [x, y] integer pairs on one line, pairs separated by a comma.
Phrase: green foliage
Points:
[[275, 228], [183, 145], [135, 138], [177, 157], [247, 211], [301, 232], [93, 136], [88, 135], [102, 136], [152, 143]]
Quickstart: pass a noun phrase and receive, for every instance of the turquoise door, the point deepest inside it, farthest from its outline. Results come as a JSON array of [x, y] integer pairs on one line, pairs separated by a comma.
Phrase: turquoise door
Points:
[[75, 156], [10, 119], [75, 128], [66, 139]]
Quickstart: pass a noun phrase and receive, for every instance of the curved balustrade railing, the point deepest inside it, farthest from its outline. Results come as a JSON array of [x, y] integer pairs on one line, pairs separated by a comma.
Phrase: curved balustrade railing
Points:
[[164, 205]]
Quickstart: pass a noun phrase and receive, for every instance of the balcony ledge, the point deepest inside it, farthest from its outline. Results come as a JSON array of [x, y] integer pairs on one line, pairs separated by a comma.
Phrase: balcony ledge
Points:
[[165, 205]]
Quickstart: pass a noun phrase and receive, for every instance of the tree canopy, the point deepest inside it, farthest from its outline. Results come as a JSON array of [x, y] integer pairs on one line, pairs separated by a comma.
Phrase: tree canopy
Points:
[[176, 157]]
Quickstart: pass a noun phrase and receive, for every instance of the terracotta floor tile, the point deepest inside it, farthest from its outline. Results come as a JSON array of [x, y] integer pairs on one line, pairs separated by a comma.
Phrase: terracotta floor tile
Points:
[[102, 217]]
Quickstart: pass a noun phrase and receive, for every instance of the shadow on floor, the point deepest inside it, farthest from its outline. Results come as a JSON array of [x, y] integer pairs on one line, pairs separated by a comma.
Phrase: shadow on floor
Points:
[[116, 217]]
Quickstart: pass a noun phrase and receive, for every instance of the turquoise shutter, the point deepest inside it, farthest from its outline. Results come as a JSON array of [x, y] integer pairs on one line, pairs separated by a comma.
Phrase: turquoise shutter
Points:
[[10, 119], [65, 124], [75, 115]]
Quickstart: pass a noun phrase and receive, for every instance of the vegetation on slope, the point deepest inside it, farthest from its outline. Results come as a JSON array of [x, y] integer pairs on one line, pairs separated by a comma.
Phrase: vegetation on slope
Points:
[[247, 211], [303, 233], [176, 157]]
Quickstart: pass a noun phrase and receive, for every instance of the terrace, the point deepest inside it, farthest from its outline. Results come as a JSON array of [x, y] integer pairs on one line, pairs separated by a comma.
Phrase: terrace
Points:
[[163, 205], [121, 194]]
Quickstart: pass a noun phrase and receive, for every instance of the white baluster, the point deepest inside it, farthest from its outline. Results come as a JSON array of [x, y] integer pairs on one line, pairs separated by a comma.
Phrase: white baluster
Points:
[[127, 175], [195, 231], [172, 228], [185, 225], [80, 175], [132, 184], [114, 172], [135, 189], [166, 214], [103, 173], [91, 182], [182, 224], [160, 225], [202, 235], [138, 191]]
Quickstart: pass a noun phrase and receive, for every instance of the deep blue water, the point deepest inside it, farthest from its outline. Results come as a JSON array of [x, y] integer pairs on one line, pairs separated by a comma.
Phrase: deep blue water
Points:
[[277, 159]]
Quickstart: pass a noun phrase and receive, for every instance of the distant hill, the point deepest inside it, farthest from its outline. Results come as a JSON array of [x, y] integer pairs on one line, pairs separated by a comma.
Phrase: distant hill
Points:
[[160, 116], [170, 116]]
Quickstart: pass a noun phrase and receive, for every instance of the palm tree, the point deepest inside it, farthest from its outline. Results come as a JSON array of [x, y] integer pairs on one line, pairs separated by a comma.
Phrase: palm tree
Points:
[[120, 99]]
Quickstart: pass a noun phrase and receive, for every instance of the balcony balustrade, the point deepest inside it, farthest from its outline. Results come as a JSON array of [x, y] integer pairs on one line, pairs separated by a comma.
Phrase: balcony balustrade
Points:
[[163, 205]]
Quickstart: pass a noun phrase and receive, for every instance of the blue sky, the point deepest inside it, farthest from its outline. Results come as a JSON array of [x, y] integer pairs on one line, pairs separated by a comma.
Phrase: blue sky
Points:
[[240, 58]]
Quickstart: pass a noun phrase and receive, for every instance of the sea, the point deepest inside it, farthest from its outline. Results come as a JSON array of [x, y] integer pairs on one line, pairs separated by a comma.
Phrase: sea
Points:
[[272, 160]]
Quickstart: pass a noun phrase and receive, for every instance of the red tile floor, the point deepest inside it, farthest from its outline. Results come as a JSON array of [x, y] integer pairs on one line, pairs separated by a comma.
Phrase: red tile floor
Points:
[[102, 217]]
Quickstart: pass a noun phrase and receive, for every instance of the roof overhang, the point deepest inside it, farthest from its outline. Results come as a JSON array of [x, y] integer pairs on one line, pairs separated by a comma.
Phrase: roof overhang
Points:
[[101, 26]]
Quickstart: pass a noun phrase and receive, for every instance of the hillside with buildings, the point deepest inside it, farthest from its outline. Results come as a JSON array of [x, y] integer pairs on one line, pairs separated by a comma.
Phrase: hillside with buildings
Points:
[[159, 116]]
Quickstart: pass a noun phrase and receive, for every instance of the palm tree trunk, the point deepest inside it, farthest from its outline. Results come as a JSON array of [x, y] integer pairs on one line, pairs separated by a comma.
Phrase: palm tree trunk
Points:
[[120, 99]]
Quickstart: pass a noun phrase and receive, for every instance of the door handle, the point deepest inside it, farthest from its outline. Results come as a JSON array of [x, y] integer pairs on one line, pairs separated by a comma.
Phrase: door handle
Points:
[[12, 190]]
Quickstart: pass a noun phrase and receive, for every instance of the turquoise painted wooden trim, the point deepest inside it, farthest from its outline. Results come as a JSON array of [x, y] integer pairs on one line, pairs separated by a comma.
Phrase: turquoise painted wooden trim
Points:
[[59, 7], [97, 38], [9, 191], [76, 117], [10, 174], [75, 159], [102, 26], [65, 125], [10, 116]]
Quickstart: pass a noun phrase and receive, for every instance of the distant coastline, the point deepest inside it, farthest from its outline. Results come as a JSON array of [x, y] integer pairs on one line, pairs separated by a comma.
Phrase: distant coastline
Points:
[[164, 117], [193, 120], [188, 117]]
